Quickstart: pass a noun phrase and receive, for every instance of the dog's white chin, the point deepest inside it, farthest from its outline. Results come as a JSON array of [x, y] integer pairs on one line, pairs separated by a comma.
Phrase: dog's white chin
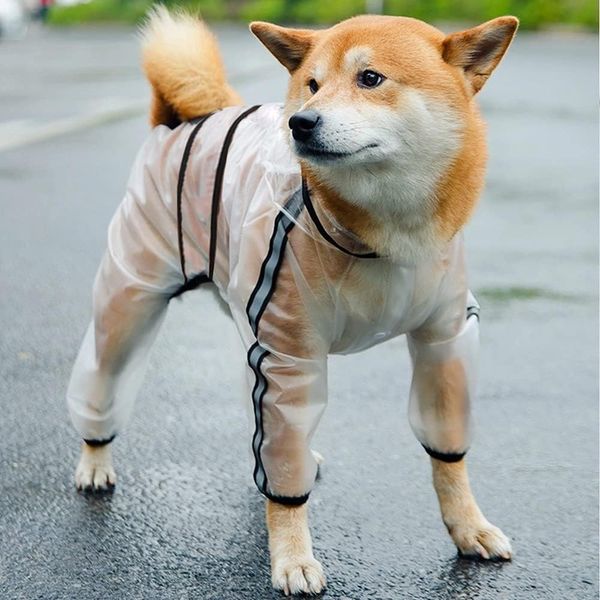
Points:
[[334, 158]]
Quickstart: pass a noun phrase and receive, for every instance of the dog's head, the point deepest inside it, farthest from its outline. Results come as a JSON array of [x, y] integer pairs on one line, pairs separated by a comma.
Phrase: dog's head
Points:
[[384, 96]]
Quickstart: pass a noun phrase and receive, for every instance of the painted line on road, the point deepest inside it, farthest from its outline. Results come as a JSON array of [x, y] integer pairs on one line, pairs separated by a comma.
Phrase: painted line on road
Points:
[[14, 134]]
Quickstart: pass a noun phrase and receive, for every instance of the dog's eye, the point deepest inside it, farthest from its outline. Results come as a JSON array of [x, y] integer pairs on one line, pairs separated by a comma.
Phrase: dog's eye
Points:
[[370, 79], [313, 86]]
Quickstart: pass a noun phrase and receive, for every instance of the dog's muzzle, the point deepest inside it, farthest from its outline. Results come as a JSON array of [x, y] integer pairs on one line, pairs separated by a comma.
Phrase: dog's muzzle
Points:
[[303, 124]]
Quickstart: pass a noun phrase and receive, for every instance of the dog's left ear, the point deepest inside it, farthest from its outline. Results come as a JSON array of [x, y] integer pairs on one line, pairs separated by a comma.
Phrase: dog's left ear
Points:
[[288, 46], [479, 50]]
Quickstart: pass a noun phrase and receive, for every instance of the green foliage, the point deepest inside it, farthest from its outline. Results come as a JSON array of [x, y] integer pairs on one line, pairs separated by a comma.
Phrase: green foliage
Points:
[[266, 10], [508, 294], [311, 12], [532, 13], [129, 11], [100, 11]]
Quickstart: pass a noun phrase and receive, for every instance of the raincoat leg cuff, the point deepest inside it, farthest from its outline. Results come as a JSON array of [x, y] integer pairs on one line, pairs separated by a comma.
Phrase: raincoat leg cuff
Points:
[[98, 443], [89, 425], [449, 457], [287, 500]]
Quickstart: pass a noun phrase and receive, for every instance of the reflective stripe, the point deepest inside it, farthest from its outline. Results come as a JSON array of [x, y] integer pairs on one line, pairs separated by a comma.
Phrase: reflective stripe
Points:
[[256, 355], [265, 286]]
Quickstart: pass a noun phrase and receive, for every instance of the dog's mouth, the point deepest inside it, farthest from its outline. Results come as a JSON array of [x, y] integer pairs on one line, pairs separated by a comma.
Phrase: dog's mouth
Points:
[[309, 151]]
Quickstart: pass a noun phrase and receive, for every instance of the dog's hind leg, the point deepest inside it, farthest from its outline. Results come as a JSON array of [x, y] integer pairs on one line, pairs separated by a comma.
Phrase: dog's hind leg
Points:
[[110, 366], [131, 293]]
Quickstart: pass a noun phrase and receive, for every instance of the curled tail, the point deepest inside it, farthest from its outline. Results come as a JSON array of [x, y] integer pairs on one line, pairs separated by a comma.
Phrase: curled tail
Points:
[[181, 59]]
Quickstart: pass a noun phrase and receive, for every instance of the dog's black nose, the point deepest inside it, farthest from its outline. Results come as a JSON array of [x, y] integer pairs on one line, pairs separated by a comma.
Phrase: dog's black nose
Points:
[[303, 124]]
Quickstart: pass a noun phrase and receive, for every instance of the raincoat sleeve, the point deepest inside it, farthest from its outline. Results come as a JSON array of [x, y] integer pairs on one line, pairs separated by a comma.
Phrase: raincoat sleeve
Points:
[[287, 357], [137, 275], [444, 354], [288, 397]]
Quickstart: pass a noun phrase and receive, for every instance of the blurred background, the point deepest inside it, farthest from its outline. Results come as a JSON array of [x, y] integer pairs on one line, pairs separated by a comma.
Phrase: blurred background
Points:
[[185, 520], [533, 14]]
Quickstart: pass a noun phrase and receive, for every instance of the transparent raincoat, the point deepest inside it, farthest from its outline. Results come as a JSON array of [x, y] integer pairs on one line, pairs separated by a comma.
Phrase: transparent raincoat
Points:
[[298, 285]]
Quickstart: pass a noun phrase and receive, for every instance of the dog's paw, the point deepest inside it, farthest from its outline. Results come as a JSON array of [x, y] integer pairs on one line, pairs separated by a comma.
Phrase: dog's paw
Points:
[[482, 540], [95, 472], [298, 576]]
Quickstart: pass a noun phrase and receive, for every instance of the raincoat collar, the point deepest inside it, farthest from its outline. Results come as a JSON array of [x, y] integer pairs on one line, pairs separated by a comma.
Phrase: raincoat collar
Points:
[[312, 212]]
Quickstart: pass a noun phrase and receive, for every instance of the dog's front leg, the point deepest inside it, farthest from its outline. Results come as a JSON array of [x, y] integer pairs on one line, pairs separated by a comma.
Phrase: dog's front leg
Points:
[[472, 533], [95, 470], [443, 386], [286, 468], [287, 361], [293, 567]]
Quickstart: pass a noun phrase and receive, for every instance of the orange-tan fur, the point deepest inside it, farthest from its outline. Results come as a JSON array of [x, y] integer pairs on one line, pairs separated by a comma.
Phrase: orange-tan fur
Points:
[[413, 54], [472, 533], [181, 59], [293, 567], [188, 79]]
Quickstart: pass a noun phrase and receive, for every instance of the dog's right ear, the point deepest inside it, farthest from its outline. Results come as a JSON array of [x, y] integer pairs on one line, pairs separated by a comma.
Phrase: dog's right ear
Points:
[[288, 46]]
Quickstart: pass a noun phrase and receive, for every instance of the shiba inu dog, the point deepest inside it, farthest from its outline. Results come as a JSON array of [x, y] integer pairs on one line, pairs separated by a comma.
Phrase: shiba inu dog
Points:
[[328, 224]]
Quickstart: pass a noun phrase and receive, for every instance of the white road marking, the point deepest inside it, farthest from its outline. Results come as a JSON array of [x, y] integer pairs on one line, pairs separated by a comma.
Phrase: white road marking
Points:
[[14, 134], [17, 133], [14, 127]]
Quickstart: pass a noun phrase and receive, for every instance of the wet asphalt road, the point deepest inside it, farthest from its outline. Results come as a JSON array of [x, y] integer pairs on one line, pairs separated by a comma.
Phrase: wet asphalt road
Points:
[[185, 520]]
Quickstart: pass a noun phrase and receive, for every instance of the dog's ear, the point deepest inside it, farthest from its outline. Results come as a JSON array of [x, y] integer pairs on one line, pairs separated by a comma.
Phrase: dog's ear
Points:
[[479, 50], [288, 46]]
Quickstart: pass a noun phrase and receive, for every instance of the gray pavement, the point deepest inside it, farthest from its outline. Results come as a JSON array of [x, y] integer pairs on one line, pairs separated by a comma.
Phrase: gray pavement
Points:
[[185, 520]]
